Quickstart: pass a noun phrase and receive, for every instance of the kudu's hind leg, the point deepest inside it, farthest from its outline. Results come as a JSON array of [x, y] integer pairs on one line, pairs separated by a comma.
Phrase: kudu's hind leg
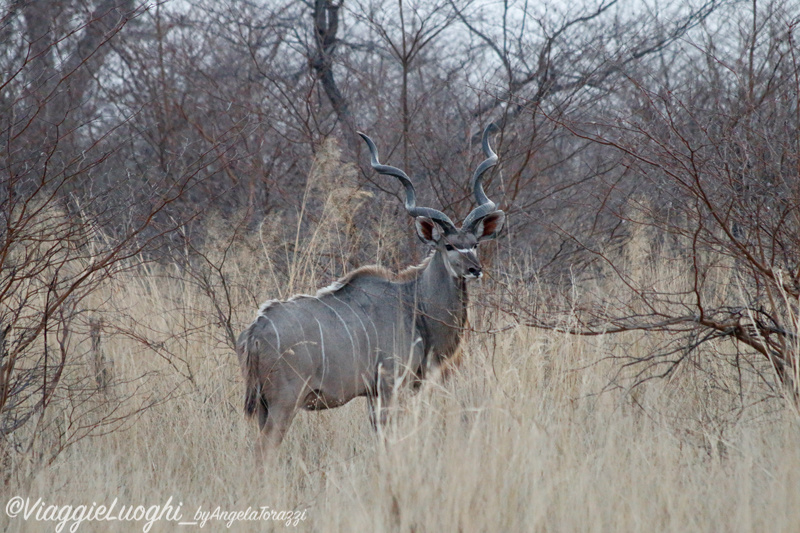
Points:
[[274, 418]]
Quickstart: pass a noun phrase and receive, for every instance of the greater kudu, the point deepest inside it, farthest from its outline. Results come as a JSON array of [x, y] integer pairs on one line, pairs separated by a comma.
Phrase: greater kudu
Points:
[[370, 331]]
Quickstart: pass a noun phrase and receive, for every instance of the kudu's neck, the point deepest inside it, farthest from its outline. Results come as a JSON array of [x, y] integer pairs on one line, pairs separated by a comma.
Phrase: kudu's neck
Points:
[[436, 281], [441, 297]]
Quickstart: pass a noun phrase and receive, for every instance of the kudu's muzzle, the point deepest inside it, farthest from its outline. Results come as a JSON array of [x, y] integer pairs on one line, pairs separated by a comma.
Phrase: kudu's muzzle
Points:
[[473, 268]]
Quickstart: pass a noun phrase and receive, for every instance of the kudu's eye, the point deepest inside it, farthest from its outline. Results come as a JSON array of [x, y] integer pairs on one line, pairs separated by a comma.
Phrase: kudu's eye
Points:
[[449, 247]]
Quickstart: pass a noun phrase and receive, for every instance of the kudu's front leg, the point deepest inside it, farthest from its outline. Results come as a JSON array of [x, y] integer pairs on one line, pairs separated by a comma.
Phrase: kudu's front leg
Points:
[[379, 399]]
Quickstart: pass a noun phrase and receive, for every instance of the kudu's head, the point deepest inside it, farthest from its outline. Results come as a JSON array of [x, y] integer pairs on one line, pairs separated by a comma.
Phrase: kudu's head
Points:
[[457, 246]]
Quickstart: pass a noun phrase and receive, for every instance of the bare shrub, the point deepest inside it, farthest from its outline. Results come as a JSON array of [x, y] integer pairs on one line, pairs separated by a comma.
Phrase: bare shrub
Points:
[[716, 167], [75, 213]]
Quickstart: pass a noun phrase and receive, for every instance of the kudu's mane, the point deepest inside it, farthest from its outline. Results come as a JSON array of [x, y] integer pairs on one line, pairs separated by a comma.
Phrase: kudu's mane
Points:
[[370, 271]]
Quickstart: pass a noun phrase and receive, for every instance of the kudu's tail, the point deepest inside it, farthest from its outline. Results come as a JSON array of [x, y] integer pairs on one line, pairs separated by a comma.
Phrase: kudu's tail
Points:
[[248, 355]]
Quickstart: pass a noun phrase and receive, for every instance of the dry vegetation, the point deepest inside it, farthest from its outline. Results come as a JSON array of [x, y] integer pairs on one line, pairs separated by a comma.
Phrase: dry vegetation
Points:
[[528, 435]]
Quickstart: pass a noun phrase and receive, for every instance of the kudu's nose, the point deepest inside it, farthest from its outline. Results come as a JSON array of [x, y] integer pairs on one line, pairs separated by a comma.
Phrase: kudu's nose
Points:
[[475, 272]]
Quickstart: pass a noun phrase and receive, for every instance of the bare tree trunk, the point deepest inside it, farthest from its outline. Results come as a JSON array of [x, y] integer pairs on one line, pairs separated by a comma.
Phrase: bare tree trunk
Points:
[[326, 24]]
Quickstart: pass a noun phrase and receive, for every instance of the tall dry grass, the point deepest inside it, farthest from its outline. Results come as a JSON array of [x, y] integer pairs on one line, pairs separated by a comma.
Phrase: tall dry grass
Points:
[[526, 436], [518, 440]]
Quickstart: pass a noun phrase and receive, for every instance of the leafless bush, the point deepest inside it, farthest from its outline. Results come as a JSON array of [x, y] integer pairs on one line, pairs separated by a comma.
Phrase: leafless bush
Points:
[[716, 168], [75, 213]]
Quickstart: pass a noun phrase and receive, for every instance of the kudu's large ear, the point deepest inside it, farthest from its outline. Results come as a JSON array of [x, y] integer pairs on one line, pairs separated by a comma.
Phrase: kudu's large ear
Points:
[[428, 231], [489, 226]]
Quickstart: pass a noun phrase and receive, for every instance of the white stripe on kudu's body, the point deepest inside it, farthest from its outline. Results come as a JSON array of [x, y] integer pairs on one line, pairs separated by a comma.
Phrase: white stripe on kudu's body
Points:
[[415, 318]]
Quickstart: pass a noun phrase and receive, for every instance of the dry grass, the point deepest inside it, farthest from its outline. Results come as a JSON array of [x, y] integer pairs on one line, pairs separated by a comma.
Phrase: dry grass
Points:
[[518, 440]]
